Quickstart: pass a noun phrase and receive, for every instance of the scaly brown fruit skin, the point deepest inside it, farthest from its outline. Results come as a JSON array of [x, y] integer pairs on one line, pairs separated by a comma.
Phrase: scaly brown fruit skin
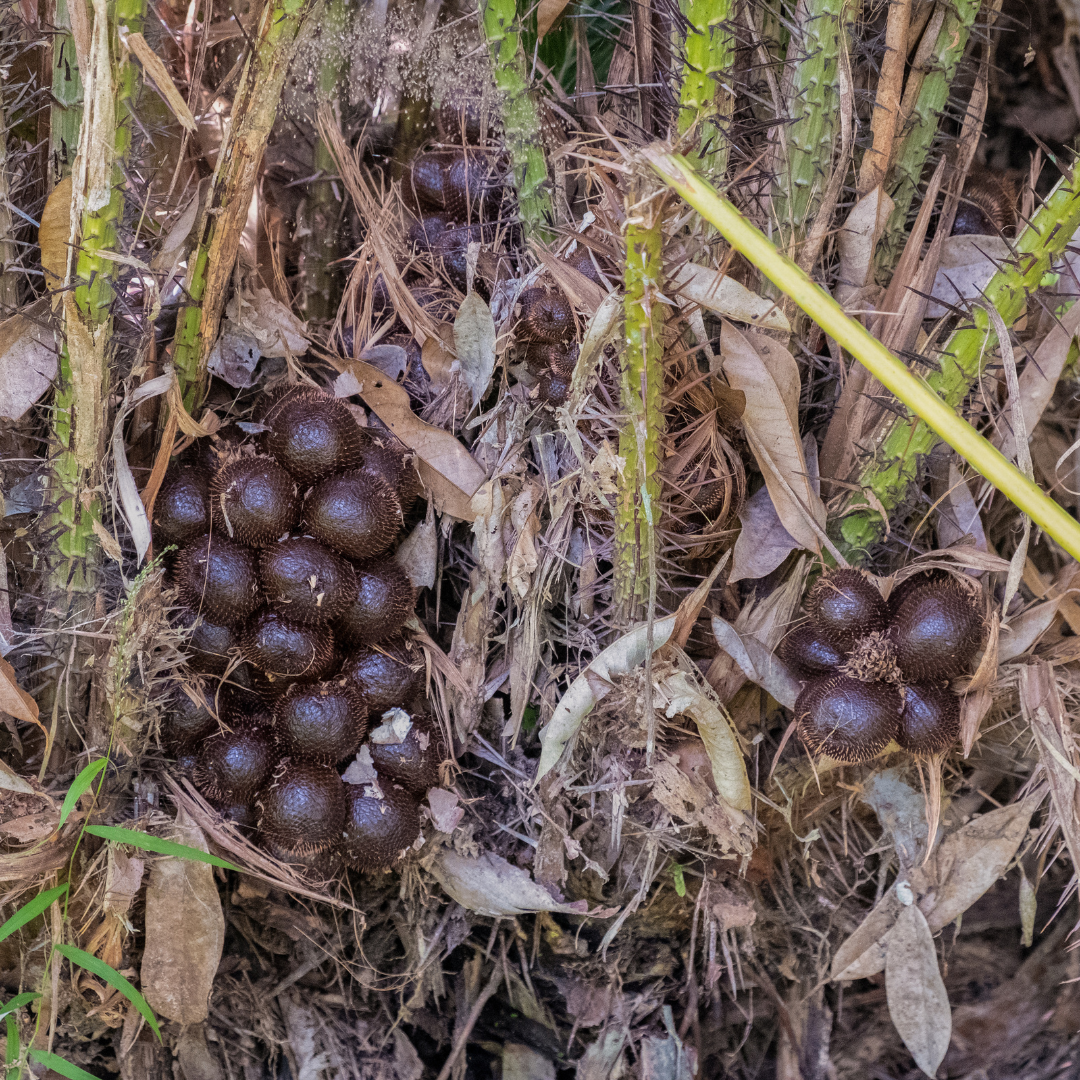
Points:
[[413, 763], [355, 514], [233, 765], [845, 606], [322, 723], [186, 720], [305, 582], [256, 499], [938, 630], [384, 675], [395, 465], [218, 579], [312, 435], [303, 809], [182, 508], [383, 598], [930, 721], [211, 646], [846, 719], [381, 821], [284, 650], [546, 316], [808, 653]]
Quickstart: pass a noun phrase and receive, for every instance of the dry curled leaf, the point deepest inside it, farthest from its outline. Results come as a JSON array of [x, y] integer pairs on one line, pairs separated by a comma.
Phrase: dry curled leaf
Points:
[[28, 361], [918, 1003], [185, 932], [491, 886], [54, 235], [619, 658], [449, 472], [769, 377], [723, 295]]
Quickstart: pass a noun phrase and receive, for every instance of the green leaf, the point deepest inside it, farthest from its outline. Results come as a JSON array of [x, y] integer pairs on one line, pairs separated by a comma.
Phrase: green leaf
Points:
[[59, 1065], [18, 1002], [155, 843], [680, 880], [113, 978], [11, 1052], [31, 910], [78, 786]]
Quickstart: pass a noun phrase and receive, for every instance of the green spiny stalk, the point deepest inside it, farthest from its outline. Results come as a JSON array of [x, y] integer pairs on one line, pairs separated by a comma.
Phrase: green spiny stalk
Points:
[[638, 500], [706, 102], [255, 108], [813, 103], [65, 116], [521, 123], [77, 508], [895, 464], [322, 279], [915, 140]]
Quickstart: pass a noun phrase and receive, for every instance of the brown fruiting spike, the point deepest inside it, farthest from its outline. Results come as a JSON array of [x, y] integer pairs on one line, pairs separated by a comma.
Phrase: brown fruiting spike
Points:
[[425, 230], [384, 674], [938, 630], [381, 821], [254, 501], [182, 508], [217, 578], [303, 809], [306, 582], [240, 814], [312, 435], [581, 261], [382, 600], [808, 653], [845, 606], [414, 762], [323, 723], [930, 721], [463, 184], [395, 465], [233, 765], [546, 315], [355, 514], [846, 719], [186, 719], [284, 650]]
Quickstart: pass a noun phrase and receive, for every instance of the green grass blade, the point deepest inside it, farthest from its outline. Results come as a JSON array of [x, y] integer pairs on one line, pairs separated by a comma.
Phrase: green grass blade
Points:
[[59, 1065], [18, 1002], [79, 786], [157, 845], [113, 977], [31, 910], [11, 1051]]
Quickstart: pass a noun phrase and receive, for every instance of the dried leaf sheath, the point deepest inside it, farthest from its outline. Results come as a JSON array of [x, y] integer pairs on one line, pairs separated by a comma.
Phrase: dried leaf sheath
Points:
[[254, 111], [638, 507]]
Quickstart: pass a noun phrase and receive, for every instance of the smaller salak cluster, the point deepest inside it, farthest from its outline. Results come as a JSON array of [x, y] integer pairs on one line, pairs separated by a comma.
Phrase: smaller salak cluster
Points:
[[879, 671], [456, 195], [296, 609]]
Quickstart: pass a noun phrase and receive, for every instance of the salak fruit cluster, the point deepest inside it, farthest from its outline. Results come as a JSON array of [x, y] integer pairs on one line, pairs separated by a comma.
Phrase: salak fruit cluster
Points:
[[877, 671], [296, 611]]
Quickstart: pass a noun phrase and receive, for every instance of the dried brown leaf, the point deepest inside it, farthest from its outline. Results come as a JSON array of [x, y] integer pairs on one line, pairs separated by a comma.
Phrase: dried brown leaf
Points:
[[474, 343], [28, 361], [185, 932], [546, 14], [715, 291], [769, 377], [918, 1003], [448, 470], [54, 235], [491, 886]]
